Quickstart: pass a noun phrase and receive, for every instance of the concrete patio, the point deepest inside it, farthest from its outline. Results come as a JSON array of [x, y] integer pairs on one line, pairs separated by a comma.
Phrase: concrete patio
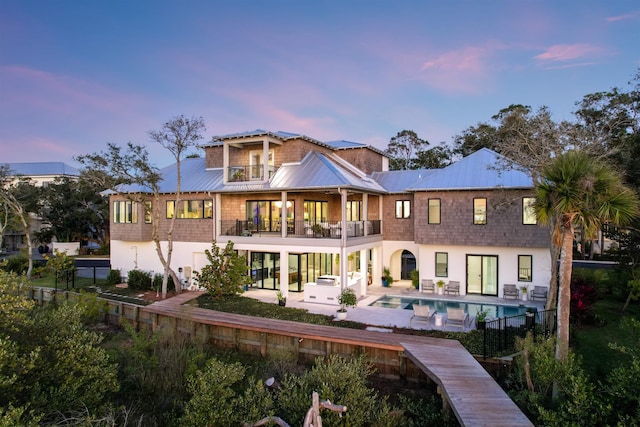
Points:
[[382, 317]]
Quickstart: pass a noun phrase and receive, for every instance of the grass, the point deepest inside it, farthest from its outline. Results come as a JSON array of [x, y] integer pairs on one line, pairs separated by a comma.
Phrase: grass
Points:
[[592, 341]]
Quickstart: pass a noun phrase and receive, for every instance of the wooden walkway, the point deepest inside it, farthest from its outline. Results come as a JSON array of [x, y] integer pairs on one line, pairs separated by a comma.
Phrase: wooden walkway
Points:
[[472, 394]]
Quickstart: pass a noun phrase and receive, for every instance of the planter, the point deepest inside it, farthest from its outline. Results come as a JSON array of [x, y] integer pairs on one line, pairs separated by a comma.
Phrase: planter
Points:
[[385, 283], [282, 302], [481, 325], [525, 296], [341, 315], [440, 290]]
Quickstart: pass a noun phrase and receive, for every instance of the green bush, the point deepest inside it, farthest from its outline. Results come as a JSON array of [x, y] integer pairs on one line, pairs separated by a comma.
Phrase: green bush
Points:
[[18, 263], [114, 277], [139, 280], [415, 279]]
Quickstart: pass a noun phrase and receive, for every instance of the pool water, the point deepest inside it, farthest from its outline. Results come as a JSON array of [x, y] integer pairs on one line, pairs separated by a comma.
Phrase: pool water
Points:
[[493, 310]]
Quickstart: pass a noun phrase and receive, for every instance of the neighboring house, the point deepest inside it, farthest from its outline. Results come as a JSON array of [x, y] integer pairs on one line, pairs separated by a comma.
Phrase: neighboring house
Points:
[[301, 209], [41, 174]]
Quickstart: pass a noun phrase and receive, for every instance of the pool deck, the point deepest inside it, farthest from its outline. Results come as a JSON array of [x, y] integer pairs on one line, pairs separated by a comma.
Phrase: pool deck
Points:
[[383, 317]]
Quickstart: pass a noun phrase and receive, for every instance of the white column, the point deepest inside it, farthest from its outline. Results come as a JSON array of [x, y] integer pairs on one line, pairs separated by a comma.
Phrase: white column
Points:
[[265, 160], [363, 272], [343, 242]]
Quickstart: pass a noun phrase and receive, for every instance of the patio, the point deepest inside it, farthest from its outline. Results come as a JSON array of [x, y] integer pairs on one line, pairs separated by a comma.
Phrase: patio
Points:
[[381, 317]]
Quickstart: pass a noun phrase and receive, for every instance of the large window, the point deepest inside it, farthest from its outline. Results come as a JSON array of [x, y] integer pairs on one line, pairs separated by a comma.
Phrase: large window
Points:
[[190, 209], [403, 208], [442, 264], [434, 211], [315, 211], [528, 212], [125, 212], [148, 211], [264, 215], [480, 211], [525, 268], [354, 208]]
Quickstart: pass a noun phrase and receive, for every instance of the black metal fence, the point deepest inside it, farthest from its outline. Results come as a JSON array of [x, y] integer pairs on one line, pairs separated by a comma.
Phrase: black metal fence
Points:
[[500, 334]]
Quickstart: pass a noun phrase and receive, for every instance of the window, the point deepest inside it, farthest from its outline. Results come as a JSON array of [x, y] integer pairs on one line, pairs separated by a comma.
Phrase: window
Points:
[[208, 208], [171, 208], [480, 211], [147, 212], [434, 211], [125, 212], [256, 166], [315, 211], [442, 264], [525, 268], [353, 210], [403, 208], [190, 209], [528, 212]]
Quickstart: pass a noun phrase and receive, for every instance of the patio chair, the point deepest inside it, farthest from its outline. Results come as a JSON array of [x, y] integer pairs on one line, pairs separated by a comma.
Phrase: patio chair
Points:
[[539, 292], [510, 291], [421, 312], [452, 287], [457, 317], [428, 285]]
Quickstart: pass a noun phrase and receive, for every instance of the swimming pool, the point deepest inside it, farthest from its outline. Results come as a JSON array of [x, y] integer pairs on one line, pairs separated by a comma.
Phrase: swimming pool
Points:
[[493, 310]]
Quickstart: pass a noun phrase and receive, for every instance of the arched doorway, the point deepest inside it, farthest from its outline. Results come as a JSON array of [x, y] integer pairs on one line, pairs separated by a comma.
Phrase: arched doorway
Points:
[[407, 265]]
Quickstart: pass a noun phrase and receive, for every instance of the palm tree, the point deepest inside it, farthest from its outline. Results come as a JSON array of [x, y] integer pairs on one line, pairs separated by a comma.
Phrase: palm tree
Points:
[[575, 190]]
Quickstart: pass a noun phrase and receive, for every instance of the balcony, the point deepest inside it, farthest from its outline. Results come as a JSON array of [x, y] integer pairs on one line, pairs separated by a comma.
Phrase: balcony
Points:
[[304, 229], [244, 173]]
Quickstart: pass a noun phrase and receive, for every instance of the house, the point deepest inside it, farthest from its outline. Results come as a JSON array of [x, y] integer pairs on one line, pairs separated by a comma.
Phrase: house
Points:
[[40, 174], [314, 216]]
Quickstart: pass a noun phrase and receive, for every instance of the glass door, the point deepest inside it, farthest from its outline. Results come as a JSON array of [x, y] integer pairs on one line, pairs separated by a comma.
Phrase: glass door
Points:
[[482, 274]]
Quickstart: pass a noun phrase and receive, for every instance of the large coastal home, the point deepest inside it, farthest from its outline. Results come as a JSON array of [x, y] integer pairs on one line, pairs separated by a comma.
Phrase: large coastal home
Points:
[[314, 217]]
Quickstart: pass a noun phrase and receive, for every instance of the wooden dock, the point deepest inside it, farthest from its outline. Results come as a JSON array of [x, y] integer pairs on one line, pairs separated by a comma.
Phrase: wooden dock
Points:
[[470, 392]]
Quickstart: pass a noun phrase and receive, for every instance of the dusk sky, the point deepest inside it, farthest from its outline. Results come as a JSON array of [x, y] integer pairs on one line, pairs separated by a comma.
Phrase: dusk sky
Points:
[[75, 75]]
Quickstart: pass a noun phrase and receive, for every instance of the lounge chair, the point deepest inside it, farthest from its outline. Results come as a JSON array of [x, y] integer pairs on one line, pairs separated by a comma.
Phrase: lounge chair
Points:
[[457, 317], [452, 287], [421, 312], [428, 285], [539, 292], [510, 291]]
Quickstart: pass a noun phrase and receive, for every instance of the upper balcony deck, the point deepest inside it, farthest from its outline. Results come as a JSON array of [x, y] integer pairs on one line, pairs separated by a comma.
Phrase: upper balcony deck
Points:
[[300, 229]]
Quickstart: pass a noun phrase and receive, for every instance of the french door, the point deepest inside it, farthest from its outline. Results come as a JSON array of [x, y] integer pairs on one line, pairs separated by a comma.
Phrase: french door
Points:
[[482, 274]]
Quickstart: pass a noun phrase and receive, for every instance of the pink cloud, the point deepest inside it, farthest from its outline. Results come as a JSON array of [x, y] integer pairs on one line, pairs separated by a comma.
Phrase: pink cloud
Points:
[[464, 71], [625, 17], [568, 52]]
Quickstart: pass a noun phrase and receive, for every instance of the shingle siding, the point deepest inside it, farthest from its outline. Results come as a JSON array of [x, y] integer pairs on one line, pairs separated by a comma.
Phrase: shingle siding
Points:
[[504, 220]]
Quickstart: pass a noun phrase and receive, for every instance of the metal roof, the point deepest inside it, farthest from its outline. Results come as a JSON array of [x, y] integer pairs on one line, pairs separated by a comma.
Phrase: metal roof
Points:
[[42, 169], [484, 169], [315, 171], [399, 181]]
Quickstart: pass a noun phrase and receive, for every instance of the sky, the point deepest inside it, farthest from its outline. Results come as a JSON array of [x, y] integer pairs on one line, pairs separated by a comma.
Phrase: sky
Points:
[[76, 75]]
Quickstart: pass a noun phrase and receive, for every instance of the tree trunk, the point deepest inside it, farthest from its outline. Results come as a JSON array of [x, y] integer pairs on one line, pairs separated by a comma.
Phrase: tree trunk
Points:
[[564, 294]]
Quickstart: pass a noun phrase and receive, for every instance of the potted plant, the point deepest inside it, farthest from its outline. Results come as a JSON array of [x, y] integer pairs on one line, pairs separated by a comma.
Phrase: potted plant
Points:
[[346, 299], [415, 279], [440, 284], [317, 230], [387, 280], [524, 291], [481, 319], [282, 301]]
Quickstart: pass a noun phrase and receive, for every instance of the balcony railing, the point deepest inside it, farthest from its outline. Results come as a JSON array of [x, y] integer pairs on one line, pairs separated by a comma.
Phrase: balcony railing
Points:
[[305, 229], [243, 173]]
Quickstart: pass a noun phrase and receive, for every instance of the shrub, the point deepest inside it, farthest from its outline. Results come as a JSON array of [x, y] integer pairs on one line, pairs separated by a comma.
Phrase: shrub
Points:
[[114, 277], [157, 282], [415, 279], [583, 296], [226, 273], [18, 263], [139, 280]]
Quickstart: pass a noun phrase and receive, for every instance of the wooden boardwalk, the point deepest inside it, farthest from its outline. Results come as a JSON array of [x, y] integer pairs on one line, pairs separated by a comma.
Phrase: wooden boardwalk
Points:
[[472, 394]]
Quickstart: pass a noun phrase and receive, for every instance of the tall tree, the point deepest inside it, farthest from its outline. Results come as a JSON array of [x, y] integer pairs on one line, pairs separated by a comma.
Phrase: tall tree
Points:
[[131, 174], [578, 190], [402, 149], [20, 197]]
